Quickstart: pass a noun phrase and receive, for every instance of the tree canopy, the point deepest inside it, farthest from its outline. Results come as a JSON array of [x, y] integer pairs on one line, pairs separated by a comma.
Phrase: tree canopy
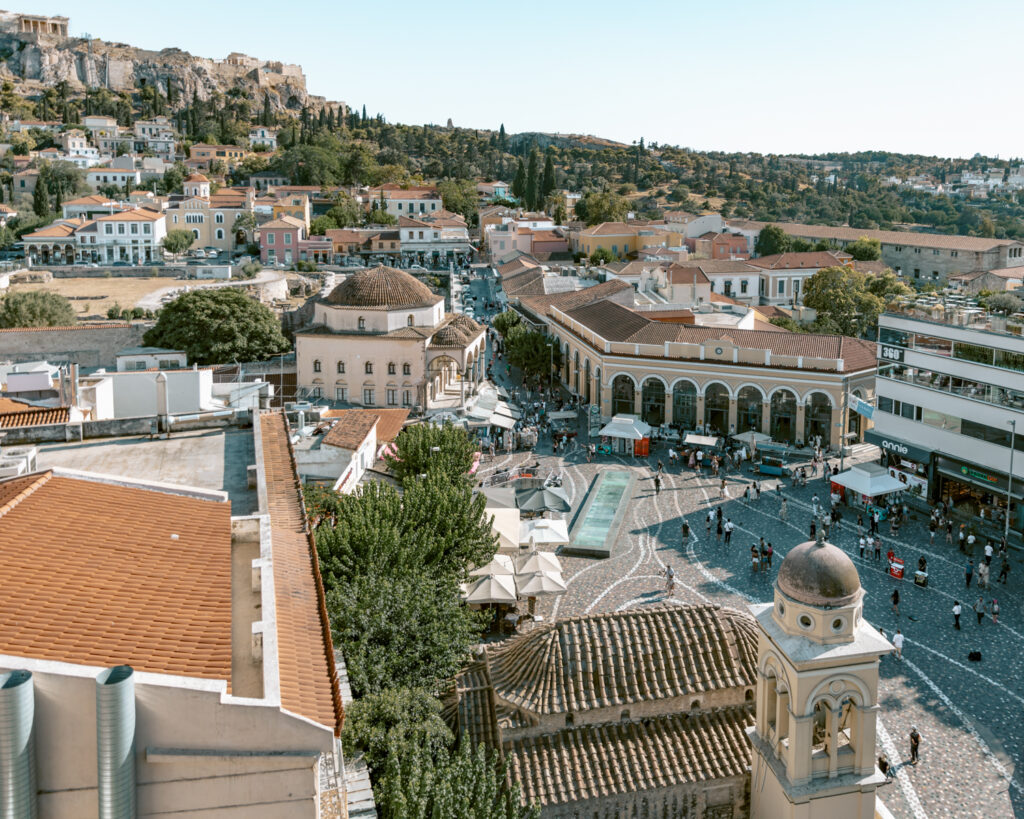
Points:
[[503, 322], [216, 326], [430, 449], [177, 242], [771, 240], [605, 206], [865, 249], [848, 302], [532, 352], [36, 308]]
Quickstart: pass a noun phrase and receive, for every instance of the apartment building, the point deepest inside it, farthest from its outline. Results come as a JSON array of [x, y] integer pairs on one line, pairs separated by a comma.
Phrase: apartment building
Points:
[[950, 408]]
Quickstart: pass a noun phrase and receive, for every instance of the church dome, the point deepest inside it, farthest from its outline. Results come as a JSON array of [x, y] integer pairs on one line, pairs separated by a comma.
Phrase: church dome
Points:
[[450, 336], [819, 574], [467, 325], [382, 287], [196, 177]]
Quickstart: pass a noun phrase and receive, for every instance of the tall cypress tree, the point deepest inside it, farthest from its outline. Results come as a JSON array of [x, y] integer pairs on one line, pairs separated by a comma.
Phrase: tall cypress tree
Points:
[[40, 199], [548, 183], [519, 182], [267, 118], [533, 180]]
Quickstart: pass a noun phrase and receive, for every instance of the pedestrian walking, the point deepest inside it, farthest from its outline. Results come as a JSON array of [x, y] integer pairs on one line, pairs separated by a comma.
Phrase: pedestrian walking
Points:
[[878, 548], [995, 610], [746, 493], [661, 466], [956, 614], [874, 522], [757, 491], [729, 526], [949, 532], [721, 489], [657, 484], [670, 579], [885, 767], [915, 745], [837, 519], [718, 531], [896, 602], [860, 525], [961, 538], [755, 558], [988, 553], [771, 552], [863, 543], [784, 511], [814, 506], [897, 641], [814, 530], [1004, 570], [979, 609], [983, 571], [708, 522], [932, 526], [969, 572]]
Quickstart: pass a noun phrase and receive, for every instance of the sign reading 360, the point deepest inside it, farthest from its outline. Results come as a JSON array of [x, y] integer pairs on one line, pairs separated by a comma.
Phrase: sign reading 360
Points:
[[891, 353]]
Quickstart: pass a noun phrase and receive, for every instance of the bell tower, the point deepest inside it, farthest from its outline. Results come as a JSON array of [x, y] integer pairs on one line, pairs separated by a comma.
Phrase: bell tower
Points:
[[817, 692]]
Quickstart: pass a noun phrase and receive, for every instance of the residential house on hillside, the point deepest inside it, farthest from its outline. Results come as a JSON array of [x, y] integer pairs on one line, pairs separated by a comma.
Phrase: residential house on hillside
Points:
[[399, 201], [489, 191], [433, 237], [210, 217], [201, 156], [621, 239], [285, 241], [713, 245], [261, 136], [102, 175]]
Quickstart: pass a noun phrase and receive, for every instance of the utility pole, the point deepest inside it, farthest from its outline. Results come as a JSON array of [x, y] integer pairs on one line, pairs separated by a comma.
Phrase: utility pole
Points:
[[1009, 481]]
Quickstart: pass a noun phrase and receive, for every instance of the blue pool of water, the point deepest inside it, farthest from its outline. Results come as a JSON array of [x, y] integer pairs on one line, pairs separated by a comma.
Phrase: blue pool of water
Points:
[[594, 529]]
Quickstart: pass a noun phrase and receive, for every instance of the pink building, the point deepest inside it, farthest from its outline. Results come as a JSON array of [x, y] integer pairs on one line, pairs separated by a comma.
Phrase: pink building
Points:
[[284, 241]]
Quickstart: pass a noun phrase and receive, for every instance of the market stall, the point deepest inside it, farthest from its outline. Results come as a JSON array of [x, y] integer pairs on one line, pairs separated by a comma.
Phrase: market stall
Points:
[[626, 435], [868, 486]]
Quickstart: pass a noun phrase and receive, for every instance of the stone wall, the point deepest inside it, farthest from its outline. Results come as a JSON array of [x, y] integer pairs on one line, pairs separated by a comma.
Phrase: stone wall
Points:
[[88, 346]]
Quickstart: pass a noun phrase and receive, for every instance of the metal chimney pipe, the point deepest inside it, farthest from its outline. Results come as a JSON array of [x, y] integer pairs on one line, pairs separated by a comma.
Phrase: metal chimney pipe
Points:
[[115, 742], [17, 745]]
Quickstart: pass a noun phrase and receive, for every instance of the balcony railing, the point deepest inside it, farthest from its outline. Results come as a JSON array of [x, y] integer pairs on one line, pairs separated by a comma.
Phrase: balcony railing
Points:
[[972, 390]]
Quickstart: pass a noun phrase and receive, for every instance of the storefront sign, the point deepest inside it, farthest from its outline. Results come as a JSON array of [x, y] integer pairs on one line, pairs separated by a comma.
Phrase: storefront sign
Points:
[[888, 353], [978, 475], [862, 408], [913, 481], [967, 473], [897, 447]]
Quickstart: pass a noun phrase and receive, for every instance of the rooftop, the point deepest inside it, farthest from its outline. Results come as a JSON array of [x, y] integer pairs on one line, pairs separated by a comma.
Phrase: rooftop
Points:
[[382, 287]]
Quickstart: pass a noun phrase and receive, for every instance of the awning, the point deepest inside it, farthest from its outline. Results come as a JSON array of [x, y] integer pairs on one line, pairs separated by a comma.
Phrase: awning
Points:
[[627, 426], [701, 440], [750, 437], [563, 415], [502, 421], [871, 480]]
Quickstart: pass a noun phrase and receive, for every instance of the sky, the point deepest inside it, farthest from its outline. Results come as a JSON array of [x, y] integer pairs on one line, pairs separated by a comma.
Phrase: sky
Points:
[[772, 76]]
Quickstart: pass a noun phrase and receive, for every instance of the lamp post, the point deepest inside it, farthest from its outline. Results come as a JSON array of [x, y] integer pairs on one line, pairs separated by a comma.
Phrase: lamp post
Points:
[[1009, 480]]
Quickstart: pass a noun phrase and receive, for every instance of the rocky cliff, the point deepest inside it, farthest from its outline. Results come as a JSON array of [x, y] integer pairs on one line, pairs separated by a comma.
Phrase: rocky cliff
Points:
[[33, 62]]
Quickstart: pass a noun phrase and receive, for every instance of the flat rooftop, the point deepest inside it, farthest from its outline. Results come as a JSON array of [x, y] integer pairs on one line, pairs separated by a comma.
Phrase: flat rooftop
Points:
[[207, 458]]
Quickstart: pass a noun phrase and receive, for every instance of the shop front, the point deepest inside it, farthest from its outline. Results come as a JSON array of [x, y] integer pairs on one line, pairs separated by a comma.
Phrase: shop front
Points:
[[979, 492], [908, 464]]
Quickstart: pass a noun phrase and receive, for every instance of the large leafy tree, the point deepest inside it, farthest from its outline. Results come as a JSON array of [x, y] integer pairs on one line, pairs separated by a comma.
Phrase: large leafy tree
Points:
[[469, 782], [503, 322], [459, 196], [398, 630], [865, 249], [844, 304], [217, 326], [36, 308], [378, 723], [605, 206], [532, 352], [428, 448], [177, 242], [771, 240]]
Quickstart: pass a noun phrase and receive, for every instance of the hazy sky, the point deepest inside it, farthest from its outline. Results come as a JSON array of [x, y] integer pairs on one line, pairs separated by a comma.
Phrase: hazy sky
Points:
[[931, 77]]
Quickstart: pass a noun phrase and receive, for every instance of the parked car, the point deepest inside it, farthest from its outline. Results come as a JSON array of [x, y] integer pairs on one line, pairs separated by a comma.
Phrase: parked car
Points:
[[196, 253]]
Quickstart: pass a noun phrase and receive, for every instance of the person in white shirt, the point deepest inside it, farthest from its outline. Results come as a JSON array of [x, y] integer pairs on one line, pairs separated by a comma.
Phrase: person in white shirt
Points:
[[897, 641]]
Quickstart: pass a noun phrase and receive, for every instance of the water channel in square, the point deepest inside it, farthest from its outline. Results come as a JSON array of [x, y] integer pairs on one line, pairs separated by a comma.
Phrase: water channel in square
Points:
[[598, 524]]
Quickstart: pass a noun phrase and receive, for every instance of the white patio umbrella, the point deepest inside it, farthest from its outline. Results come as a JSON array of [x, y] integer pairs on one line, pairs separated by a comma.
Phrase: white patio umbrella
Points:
[[538, 584], [492, 589], [534, 562], [499, 565], [547, 532]]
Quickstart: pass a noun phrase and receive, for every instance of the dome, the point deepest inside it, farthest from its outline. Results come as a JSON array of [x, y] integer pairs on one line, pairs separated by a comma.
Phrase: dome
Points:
[[819, 575], [450, 336], [196, 177], [382, 287], [467, 325]]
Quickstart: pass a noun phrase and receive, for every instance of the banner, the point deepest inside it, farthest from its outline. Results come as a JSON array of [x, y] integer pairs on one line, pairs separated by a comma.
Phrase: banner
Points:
[[862, 408]]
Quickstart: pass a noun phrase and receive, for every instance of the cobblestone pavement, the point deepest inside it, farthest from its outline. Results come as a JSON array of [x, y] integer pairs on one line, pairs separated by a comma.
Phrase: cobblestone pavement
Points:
[[969, 714]]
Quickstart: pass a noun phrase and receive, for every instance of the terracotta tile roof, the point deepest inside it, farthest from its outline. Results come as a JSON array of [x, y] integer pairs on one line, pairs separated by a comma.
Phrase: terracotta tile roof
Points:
[[35, 417], [351, 429], [874, 268], [815, 259], [129, 575], [770, 311], [284, 222], [904, 238], [138, 215], [710, 267], [612, 229], [66, 328], [12, 405], [382, 287], [390, 421], [57, 231], [628, 656], [616, 323], [309, 679], [91, 199], [686, 274], [513, 284], [595, 761]]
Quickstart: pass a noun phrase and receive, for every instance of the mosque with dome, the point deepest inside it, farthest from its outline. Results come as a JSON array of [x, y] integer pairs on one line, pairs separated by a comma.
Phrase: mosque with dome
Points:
[[382, 338], [693, 711]]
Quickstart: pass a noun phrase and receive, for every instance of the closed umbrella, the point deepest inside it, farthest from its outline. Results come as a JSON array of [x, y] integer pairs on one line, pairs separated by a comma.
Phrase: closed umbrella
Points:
[[492, 589], [537, 562], [543, 499]]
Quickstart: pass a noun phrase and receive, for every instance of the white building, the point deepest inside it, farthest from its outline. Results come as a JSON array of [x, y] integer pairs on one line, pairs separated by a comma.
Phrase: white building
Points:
[[399, 201], [261, 135], [148, 358], [127, 236], [950, 401], [106, 175], [197, 677]]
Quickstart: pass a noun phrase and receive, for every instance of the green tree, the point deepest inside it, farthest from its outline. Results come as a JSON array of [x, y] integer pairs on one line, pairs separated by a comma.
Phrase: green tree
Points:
[[533, 181], [842, 300], [218, 326], [41, 199], [346, 212], [771, 240], [787, 323], [459, 196], [1006, 303], [377, 724], [865, 249], [532, 352], [36, 308], [547, 186], [519, 181], [503, 322], [379, 216], [605, 206], [7, 237], [177, 242], [428, 448], [601, 255], [469, 782], [402, 631], [321, 224], [887, 285]]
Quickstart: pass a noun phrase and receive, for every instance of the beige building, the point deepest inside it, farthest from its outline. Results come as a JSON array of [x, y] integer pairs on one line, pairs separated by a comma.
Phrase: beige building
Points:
[[633, 713], [792, 386], [197, 677], [817, 692], [381, 338], [210, 218]]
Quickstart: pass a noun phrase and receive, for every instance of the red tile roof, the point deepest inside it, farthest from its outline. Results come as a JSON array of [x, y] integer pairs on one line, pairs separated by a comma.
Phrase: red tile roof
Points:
[[35, 417], [97, 573], [389, 421], [309, 679], [814, 259]]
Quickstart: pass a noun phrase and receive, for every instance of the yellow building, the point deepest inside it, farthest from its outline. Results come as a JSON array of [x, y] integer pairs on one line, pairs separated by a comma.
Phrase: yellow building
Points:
[[295, 205], [621, 239], [210, 218], [202, 155]]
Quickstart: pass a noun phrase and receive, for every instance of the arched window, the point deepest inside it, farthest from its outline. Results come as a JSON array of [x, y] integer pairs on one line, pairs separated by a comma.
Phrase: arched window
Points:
[[316, 365], [219, 218], [409, 321], [391, 368], [406, 369], [219, 233], [195, 233], [362, 323], [369, 368], [341, 368]]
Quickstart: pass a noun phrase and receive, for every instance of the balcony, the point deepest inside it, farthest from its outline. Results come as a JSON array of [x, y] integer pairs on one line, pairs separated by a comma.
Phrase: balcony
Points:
[[963, 388]]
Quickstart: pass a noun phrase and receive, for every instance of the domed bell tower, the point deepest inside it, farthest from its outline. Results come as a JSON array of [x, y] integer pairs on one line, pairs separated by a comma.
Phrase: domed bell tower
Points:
[[817, 692]]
